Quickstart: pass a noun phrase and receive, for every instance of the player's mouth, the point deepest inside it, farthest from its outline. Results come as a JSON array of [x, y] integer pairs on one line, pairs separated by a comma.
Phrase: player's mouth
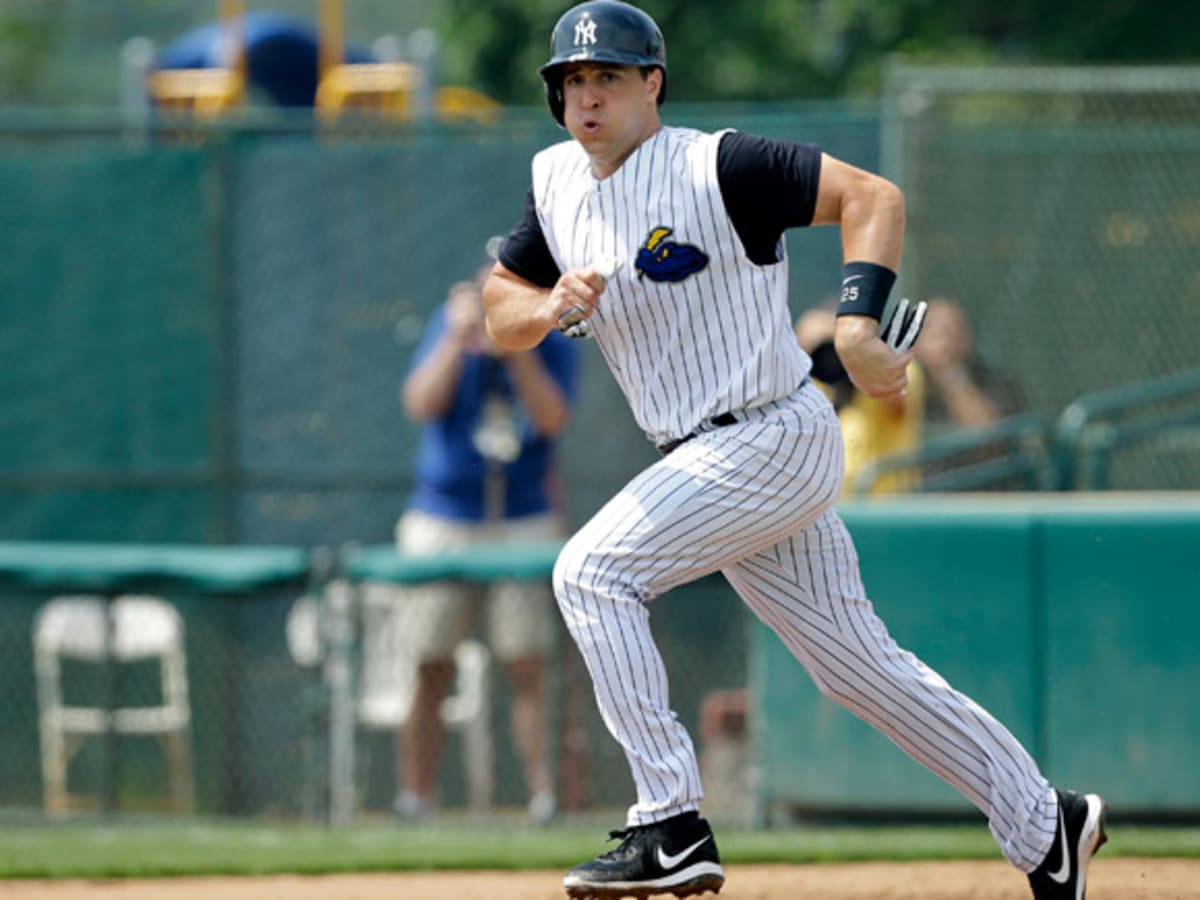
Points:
[[590, 126]]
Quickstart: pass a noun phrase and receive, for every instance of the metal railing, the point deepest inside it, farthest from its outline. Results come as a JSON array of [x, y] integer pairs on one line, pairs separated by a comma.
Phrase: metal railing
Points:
[[1013, 453], [1077, 452], [1094, 427]]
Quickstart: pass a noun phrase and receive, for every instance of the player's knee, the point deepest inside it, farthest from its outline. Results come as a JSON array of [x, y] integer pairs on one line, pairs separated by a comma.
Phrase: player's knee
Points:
[[576, 572], [584, 571], [840, 692], [567, 571]]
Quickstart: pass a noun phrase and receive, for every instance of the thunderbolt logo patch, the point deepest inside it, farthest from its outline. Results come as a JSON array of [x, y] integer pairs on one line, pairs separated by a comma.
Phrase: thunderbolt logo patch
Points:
[[662, 260]]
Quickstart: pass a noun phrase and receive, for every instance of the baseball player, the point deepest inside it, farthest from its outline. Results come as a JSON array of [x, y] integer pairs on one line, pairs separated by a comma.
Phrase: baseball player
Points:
[[665, 245]]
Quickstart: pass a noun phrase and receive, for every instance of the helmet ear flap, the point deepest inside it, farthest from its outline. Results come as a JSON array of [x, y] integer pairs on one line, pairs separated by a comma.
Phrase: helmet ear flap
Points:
[[555, 100], [552, 82]]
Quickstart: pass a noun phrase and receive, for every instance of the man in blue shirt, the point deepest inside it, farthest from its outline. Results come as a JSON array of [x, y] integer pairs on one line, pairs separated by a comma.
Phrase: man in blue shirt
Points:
[[485, 474]]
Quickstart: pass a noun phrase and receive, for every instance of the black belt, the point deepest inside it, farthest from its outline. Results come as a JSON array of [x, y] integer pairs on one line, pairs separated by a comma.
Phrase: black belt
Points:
[[720, 421]]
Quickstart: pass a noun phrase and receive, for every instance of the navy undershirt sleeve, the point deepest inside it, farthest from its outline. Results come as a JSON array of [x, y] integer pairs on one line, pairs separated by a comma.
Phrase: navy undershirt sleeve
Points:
[[768, 185], [525, 251]]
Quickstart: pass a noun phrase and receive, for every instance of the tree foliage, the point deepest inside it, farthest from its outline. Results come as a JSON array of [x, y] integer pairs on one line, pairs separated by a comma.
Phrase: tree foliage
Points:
[[787, 49], [29, 36], [63, 51]]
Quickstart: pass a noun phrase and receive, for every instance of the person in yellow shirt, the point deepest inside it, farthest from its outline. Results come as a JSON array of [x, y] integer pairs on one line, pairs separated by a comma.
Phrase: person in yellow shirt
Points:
[[964, 392], [871, 428]]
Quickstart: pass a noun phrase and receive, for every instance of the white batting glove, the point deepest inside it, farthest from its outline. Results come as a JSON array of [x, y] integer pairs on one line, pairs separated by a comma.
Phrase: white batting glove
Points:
[[578, 330], [571, 322], [607, 266], [905, 325]]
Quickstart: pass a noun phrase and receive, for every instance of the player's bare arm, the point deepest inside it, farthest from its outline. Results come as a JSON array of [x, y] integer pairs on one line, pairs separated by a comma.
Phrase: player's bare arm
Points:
[[520, 314], [870, 212]]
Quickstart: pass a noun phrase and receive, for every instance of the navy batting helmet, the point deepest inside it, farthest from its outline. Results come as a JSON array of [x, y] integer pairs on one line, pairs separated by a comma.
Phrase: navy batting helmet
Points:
[[602, 31]]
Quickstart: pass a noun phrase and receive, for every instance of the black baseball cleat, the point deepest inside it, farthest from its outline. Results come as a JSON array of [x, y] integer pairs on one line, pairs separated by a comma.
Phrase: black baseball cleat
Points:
[[1063, 874], [675, 856]]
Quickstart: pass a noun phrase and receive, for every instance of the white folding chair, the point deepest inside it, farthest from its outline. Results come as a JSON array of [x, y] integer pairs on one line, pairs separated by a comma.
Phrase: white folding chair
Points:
[[127, 629], [387, 678]]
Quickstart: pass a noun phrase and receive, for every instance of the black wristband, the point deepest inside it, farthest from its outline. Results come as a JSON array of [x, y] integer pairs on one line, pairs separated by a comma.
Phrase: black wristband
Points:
[[865, 289]]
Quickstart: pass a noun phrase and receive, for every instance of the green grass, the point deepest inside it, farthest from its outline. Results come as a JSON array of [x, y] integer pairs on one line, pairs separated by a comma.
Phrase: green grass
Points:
[[92, 850]]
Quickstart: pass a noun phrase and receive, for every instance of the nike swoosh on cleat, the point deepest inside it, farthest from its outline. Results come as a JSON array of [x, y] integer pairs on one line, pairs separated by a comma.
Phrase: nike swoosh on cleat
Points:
[[671, 860], [1063, 875]]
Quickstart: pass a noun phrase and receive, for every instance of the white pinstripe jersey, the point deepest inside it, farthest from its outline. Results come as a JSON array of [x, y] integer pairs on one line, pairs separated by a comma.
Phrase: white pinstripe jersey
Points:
[[689, 327]]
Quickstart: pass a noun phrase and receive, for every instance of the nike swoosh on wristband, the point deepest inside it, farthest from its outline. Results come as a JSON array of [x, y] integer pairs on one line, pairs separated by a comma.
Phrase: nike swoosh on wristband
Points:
[[671, 860], [1063, 875]]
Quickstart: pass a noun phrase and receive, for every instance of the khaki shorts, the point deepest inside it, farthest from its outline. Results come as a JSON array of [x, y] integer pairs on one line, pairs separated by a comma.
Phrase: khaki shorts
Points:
[[521, 615]]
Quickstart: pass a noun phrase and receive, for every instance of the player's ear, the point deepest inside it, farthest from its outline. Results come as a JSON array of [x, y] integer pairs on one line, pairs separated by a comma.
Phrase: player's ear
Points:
[[654, 82]]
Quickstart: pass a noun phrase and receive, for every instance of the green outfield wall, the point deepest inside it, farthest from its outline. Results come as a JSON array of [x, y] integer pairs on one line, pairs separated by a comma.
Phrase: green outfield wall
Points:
[[1072, 619], [204, 331]]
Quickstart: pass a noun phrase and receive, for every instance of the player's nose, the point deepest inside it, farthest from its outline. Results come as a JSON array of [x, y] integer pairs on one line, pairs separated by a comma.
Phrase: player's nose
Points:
[[589, 93]]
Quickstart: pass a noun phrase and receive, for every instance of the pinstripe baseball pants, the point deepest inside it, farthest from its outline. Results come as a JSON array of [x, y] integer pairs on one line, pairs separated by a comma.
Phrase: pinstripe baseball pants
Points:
[[753, 501]]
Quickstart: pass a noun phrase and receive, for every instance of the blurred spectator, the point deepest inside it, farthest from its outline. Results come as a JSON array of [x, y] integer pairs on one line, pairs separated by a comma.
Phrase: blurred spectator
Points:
[[871, 428], [485, 474], [962, 391]]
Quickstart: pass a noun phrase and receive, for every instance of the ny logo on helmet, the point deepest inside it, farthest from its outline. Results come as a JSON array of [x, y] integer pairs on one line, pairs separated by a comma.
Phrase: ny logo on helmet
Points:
[[585, 31]]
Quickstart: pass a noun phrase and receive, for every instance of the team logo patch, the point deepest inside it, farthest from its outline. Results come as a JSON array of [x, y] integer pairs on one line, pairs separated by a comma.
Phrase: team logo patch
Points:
[[662, 260]]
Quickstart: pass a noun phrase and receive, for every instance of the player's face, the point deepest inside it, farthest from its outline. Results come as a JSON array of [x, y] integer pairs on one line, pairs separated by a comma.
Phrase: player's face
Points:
[[610, 110]]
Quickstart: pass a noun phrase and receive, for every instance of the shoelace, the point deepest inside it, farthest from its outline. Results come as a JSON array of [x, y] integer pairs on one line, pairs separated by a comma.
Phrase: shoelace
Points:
[[620, 834]]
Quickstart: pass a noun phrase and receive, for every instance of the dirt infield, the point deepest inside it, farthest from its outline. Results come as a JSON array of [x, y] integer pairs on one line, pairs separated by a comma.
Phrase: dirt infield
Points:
[[1111, 879]]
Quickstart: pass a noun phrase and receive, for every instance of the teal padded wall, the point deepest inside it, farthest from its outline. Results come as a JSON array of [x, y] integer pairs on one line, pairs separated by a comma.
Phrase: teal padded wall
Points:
[[1122, 587], [1071, 618]]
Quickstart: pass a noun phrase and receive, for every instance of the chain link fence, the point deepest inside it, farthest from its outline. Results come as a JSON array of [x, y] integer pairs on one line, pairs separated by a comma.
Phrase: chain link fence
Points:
[[1061, 208], [222, 319], [205, 332]]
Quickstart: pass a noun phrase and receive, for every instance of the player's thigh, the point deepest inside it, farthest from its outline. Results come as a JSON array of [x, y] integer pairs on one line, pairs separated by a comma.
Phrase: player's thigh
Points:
[[720, 498], [815, 569]]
